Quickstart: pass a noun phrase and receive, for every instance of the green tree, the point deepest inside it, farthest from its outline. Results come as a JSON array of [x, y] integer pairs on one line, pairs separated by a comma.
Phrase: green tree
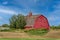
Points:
[[17, 21], [5, 25], [13, 21]]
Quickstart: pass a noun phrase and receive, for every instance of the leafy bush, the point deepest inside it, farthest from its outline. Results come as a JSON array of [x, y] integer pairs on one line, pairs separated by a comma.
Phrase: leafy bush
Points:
[[17, 21], [37, 32], [5, 25], [7, 30]]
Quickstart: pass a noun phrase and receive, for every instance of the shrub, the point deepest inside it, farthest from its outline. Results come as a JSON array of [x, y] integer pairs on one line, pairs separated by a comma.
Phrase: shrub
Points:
[[37, 31], [17, 21], [55, 27], [5, 30]]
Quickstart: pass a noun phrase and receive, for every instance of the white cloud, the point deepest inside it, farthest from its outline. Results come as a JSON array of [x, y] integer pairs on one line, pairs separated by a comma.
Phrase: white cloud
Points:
[[5, 3], [7, 11], [53, 18], [55, 15], [35, 1], [1, 17]]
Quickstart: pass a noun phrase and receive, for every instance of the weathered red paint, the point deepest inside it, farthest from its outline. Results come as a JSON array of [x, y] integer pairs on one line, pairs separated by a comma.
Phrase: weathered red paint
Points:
[[28, 27], [41, 22], [36, 22]]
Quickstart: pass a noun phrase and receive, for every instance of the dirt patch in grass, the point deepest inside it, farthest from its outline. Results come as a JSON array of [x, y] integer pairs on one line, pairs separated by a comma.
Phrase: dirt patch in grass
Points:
[[53, 34], [16, 35], [12, 35]]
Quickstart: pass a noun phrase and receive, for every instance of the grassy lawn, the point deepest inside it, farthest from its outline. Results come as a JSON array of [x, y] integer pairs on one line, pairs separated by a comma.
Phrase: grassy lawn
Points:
[[28, 39], [40, 32]]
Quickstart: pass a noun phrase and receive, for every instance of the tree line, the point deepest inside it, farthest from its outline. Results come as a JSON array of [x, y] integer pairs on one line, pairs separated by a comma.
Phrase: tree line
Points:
[[16, 22]]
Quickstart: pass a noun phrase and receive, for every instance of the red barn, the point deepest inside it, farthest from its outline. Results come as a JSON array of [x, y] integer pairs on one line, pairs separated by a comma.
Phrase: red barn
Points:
[[36, 22]]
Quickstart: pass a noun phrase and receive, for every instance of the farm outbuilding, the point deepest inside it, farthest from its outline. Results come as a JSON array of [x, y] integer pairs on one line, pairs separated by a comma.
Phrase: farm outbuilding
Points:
[[36, 22]]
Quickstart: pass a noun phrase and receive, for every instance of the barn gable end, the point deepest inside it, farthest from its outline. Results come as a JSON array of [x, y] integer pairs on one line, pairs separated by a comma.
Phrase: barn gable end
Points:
[[41, 22]]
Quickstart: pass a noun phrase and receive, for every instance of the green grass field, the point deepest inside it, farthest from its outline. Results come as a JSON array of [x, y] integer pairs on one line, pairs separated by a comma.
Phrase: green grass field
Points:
[[28, 39]]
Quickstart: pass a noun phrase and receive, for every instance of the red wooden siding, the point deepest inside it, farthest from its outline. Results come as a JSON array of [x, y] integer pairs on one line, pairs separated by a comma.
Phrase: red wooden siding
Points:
[[41, 22], [36, 22]]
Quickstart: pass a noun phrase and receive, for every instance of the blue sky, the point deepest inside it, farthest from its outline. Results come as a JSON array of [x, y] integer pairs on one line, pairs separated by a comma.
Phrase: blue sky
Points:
[[48, 8]]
